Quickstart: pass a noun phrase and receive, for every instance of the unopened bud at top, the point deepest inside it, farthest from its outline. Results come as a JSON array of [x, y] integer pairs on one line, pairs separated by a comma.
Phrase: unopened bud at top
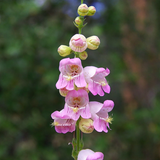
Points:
[[83, 10], [64, 50], [93, 42], [78, 21], [83, 55], [91, 11], [78, 43], [86, 125]]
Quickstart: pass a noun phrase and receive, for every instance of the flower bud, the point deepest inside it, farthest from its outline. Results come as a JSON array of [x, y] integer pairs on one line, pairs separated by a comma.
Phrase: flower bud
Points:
[[83, 10], [63, 92], [64, 50], [91, 11], [78, 21], [86, 125], [83, 55], [93, 42], [78, 43]]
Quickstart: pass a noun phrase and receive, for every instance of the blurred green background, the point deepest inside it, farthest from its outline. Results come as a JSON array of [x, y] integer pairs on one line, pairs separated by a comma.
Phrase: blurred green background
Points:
[[30, 33]]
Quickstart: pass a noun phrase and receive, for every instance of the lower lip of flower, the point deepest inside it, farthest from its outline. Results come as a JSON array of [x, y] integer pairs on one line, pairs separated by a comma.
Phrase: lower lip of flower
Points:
[[68, 123], [69, 77]]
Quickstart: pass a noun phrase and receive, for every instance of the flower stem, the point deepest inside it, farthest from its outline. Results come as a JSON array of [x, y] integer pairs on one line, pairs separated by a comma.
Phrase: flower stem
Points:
[[78, 136], [78, 143]]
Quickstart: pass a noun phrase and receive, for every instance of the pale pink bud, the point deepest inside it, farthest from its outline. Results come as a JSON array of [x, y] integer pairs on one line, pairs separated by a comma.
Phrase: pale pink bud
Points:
[[78, 43], [93, 42], [83, 55], [83, 10], [64, 50], [91, 11], [78, 21], [86, 125]]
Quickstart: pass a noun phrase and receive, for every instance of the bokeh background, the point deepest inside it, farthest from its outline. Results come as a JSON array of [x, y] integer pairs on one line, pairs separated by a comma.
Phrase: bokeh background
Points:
[[30, 33]]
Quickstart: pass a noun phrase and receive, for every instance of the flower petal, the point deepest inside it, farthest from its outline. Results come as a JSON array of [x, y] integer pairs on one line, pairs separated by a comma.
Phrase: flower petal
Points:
[[61, 83], [107, 107], [100, 125], [82, 155], [95, 107], [106, 88], [85, 113], [70, 85], [96, 156], [80, 81]]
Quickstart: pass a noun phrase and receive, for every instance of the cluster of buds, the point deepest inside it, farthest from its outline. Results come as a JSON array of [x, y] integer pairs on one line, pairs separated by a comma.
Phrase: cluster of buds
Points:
[[84, 10], [79, 43], [75, 82]]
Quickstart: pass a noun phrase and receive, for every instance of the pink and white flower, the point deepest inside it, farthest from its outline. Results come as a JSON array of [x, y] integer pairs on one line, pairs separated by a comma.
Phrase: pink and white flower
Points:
[[63, 123], [78, 43], [77, 104], [95, 78], [71, 73], [100, 115], [87, 154]]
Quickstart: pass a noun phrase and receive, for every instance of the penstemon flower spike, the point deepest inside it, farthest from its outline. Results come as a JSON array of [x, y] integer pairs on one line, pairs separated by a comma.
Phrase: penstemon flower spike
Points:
[[75, 82]]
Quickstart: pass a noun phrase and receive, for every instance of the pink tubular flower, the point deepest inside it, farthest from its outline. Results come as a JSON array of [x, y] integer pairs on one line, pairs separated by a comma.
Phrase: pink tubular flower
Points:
[[95, 77], [78, 43], [87, 154], [100, 115], [71, 73], [77, 104], [63, 123]]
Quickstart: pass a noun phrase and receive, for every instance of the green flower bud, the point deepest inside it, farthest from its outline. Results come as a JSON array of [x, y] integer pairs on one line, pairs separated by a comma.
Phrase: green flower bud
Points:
[[64, 50], [91, 11], [93, 42], [83, 55], [63, 92], [86, 125], [83, 10], [78, 21]]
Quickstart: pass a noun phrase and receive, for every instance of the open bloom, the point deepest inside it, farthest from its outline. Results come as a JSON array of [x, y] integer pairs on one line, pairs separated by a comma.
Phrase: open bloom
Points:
[[63, 123], [78, 43], [87, 154], [100, 115], [95, 77], [77, 104], [71, 73]]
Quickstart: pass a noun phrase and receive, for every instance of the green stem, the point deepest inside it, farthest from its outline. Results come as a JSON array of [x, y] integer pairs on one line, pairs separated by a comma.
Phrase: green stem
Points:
[[78, 136], [80, 30], [81, 1]]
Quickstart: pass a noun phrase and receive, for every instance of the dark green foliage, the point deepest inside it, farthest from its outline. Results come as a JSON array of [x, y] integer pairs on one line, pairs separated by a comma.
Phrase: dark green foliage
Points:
[[29, 37]]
